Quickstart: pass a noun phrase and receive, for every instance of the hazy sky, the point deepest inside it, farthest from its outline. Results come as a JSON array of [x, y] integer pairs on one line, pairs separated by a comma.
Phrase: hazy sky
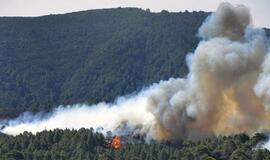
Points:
[[259, 8]]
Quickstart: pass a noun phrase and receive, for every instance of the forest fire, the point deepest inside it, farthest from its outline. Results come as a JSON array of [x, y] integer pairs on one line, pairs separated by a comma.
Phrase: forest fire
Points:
[[116, 142], [225, 92]]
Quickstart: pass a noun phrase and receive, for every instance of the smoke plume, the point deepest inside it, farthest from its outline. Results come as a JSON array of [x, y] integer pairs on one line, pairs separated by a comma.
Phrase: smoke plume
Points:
[[227, 90]]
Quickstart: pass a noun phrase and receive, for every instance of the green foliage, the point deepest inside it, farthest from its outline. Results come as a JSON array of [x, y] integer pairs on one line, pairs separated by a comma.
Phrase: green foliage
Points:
[[90, 56], [87, 144]]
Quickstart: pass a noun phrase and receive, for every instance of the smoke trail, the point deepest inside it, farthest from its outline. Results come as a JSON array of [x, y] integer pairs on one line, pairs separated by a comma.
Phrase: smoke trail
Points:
[[127, 115], [226, 91]]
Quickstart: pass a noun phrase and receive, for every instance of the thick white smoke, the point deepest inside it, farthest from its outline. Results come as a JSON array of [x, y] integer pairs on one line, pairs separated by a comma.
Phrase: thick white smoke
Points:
[[228, 21], [129, 112], [226, 91], [262, 87]]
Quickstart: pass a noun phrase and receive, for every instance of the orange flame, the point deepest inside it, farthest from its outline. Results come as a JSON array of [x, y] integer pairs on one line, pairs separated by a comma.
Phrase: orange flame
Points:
[[116, 142]]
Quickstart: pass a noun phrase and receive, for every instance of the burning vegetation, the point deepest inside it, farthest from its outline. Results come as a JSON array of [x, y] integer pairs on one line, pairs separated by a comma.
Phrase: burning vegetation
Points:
[[88, 144], [116, 142], [226, 91]]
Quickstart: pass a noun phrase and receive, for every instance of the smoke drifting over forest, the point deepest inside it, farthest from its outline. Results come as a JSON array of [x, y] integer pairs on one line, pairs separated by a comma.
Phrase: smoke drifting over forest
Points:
[[227, 91]]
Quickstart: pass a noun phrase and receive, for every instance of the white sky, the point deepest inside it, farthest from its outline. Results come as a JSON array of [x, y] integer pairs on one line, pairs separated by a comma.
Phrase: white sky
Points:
[[259, 8]]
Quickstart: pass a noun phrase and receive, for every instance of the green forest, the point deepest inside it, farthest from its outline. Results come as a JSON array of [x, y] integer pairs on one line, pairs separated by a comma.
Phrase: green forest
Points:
[[87, 144], [90, 56], [98, 55]]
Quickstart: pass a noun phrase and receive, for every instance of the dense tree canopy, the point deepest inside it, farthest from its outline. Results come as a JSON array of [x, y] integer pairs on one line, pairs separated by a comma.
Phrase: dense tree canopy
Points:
[[87, 144], [97, 55], [90, 56]]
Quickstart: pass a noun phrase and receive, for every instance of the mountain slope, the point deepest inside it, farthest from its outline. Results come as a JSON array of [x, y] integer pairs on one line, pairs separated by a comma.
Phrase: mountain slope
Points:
[[91, 56]]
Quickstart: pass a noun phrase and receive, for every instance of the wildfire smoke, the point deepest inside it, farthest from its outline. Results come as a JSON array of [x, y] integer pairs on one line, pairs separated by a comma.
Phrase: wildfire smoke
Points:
[[226, 91]]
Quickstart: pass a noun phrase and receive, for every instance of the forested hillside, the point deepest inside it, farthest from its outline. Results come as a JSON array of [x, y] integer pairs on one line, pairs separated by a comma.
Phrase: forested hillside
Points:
[[86, 144], [90, 56]]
